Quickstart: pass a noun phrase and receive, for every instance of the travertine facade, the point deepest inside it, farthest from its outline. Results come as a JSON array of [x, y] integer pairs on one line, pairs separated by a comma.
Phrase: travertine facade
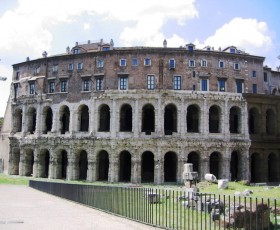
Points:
[[138, 114]]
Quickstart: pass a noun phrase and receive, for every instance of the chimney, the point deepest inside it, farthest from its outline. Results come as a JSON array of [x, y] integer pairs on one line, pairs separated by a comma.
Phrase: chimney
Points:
[[45, 54], [88, 41], [164, 43], [76, 44], [27, 59]]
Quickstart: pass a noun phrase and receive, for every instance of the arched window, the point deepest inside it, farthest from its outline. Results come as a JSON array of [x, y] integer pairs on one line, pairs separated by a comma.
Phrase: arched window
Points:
[[47, 119], [18, 120], [126, 118], [170, 167], [147, 167], [235, 120], [31, 120], [64, 118], [104, 118], [102, 166], [253, 121], [193, 119], [170, 119], [148, 119], [125, 166], [214, 119], [83, 118]]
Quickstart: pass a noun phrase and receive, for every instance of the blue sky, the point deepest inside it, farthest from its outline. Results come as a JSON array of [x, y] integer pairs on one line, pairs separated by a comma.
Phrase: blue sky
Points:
[[28, 27]]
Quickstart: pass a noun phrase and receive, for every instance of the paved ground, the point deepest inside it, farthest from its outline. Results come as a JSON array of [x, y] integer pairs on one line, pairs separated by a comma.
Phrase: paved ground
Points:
[[25, 208]]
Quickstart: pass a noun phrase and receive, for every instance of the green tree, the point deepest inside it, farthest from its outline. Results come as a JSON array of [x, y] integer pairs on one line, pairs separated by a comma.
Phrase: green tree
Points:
[[1, 121]]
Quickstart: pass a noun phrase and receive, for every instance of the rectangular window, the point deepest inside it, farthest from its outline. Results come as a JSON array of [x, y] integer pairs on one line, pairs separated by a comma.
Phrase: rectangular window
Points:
[[134, 62], [16, 90], [193, 73], [221, 64], [254, 73], [239, 86], [204, 84], [55, 68], [123, 83], [203, 63], [151, 82], [222, 85], [254, 88], [191, 63], [86, 85], [17, 75], [71, 67], [51, 87], [193, 87], [177, 82], [122, 62], [172, 64], [265, 77], [76, 51], [100, 63], [37, 70], [80, 66], [236, 66], [63, 86], [31, 87], [232, 50], [99, 84], [147, 62]]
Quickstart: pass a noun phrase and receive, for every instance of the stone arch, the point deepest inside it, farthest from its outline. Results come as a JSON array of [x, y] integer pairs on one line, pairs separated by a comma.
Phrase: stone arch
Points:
[[170, 119], [170, 167], [254, 121], [214, 119], [31, 120], [18, 120], [235, 166], [44, 163], [126, 118], [271, 123], [215, 164], [47, 119], [148, 119], [62, 163], [256, 167], [193, 158], [193, 118], [14, 162], [104, 118], [235, 120], [28, 162], [83, 164], [83, 118], [64, 118], [273, 168], [103, 166], [125, 166], [147, 167]]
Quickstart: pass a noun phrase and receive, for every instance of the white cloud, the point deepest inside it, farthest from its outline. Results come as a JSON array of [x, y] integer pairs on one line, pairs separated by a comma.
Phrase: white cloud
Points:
[[243, 33], [86, 26]]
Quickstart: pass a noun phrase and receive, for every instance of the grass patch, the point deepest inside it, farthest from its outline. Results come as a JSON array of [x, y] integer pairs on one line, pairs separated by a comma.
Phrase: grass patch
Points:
[[16, 180]]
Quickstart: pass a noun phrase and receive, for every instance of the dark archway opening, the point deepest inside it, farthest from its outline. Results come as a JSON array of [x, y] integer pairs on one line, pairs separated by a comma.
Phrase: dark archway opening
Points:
[[256, 168], [148, 119], [18, 120], [273, 167], [64, 163], [103, 166], [170, 167], [170, 119], [29, 162], [31, 116], [270, 122], [65, 119], [214, 119], [125, 167], [253, 121], [193, 158], [147, 167], [83, 165], [126, 118], [48, 120], [104, 118], [234, 166], [14, 170], [234, 120], [215, 164], [193, 119], [84, 118], [46, 163]]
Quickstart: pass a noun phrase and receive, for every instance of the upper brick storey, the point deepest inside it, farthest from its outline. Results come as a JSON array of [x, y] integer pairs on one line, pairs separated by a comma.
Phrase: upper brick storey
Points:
[[80, 73]]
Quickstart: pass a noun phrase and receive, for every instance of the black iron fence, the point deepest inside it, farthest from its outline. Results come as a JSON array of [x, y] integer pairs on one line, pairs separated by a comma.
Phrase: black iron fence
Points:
[[172, 209]]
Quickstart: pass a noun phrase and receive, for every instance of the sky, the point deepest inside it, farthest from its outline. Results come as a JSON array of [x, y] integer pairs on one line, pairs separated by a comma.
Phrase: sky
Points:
[[30, 27]]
